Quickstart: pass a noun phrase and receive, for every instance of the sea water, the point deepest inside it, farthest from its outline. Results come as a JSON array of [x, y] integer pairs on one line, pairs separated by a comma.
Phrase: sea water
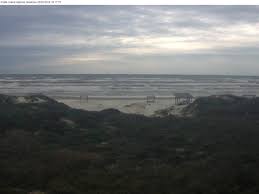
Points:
[[74, 85]]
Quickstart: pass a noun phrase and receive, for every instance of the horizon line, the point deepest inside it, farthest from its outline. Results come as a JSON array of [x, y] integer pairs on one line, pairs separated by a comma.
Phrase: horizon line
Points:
[[127, 74]]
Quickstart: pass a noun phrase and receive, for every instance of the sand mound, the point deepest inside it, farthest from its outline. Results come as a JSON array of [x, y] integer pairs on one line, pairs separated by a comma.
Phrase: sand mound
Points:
[[161, 107], [139, 108]]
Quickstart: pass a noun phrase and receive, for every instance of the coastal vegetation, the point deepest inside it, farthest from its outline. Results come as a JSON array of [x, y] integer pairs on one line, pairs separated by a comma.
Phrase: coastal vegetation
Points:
[[48, 147]]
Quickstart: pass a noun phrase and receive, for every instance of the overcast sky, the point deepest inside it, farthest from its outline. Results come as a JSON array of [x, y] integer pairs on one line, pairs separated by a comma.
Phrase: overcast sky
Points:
[[130, 39]]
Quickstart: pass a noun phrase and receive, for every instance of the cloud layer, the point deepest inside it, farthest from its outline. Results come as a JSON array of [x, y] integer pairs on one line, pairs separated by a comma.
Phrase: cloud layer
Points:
[[130, 39]]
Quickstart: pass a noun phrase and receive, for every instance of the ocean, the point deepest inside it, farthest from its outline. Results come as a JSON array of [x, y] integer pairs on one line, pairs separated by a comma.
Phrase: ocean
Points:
[[74, 85]]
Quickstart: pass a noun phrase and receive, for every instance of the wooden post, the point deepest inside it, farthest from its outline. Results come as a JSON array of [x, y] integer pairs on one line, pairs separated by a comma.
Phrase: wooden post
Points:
[[151, 99]]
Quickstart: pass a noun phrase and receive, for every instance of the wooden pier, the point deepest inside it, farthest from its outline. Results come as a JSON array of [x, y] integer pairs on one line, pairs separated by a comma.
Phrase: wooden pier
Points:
[[151, 99], [183, 98], [84, 98]]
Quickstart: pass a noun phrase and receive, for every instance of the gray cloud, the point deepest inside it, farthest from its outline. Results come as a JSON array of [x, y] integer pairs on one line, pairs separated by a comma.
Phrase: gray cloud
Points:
[[130, 39]]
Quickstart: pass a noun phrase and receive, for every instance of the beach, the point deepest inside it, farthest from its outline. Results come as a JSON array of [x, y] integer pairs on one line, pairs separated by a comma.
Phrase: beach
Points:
[[126, 93], [133, 105]]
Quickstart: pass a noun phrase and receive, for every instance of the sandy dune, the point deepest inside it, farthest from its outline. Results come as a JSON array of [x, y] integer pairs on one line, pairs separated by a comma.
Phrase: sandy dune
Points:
[[138, 106]]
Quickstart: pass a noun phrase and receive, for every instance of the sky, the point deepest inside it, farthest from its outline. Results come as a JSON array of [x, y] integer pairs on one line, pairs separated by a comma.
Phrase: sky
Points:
[[130, 39]]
